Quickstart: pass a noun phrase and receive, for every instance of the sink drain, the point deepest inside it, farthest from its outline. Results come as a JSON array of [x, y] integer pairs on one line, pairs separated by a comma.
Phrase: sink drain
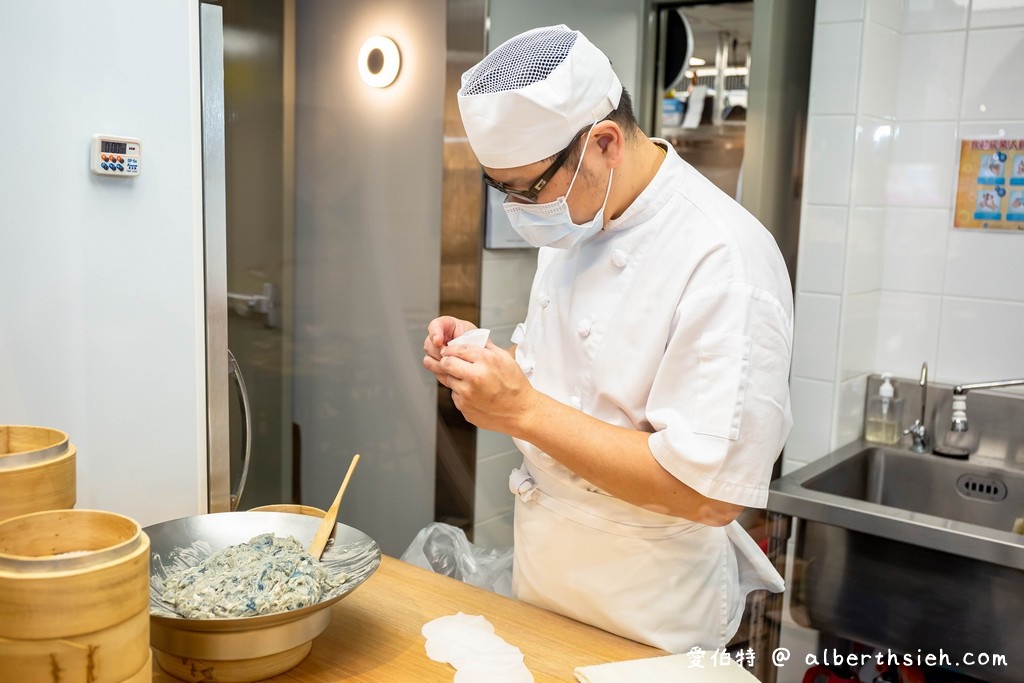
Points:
[[981, 488]]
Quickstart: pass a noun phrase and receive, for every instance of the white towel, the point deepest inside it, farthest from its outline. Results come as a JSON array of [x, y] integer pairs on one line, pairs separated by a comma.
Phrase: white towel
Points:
[[694, 667]]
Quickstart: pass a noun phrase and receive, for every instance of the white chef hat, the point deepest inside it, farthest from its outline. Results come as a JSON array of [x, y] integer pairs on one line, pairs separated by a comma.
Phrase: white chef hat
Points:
[[527, 99]]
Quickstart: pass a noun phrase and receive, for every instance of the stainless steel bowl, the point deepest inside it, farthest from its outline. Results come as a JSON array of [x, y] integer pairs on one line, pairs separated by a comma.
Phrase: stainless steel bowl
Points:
[[247, 648]]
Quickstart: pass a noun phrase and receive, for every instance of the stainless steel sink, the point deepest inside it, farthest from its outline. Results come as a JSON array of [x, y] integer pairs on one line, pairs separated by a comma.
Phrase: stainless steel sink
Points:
[[909, 551], [949, 505]]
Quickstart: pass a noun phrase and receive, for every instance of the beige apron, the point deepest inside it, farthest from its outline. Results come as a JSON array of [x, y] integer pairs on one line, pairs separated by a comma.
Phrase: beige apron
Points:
[[653, 578]]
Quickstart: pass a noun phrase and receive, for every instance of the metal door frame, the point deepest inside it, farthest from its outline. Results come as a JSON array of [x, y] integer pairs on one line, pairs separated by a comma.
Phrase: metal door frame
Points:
[[211, 30]]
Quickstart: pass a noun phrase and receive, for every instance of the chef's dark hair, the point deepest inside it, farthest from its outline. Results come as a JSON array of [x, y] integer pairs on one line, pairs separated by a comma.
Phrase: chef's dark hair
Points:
[[622, 115]]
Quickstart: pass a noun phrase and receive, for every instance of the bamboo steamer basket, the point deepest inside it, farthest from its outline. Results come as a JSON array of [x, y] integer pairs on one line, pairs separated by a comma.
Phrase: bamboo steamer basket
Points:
[[74, 598], [37, 470], [145, 674], [293, 508]]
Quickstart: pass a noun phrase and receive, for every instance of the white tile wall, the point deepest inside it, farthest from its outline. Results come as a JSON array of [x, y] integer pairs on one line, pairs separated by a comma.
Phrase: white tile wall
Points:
[[822, 245], [789, 462], [848, 421], [910, 284], [812, 421], [871, 161], [923, 163], [908, 332], [930, 73], [981, 340], [994, 78], [815, 336], [859, 334], [914, 249], [829, 159], [993, 129], [834, 68], [886, 12], [880, 71], [934, 15], [984, 265], [864, 250], [996, 13]]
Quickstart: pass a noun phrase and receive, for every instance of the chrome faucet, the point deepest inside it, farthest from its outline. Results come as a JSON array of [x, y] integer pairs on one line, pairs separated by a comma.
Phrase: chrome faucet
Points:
[[918, 430], [959, 422]]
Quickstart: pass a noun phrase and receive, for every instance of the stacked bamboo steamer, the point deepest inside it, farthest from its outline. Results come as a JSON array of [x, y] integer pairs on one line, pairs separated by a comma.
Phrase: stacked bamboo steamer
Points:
[[74, 584], [37, 470], [74, 598]]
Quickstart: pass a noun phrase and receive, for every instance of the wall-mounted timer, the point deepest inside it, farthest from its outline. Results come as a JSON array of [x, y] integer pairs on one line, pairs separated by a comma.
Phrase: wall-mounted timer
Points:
[[115, 155]]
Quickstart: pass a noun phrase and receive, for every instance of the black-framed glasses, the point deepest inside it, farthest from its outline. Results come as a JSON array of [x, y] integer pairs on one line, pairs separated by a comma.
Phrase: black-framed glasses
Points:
[[530, 194]]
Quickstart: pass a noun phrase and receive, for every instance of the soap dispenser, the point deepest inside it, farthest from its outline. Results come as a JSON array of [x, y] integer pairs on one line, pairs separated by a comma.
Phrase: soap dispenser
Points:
[[885, 414]]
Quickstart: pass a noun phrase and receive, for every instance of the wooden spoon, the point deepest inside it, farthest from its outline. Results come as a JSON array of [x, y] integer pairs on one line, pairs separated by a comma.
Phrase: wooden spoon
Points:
[[316, 548]]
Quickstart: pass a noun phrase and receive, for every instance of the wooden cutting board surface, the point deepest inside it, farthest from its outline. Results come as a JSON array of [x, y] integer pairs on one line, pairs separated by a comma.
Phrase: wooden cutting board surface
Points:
[[374, 633]]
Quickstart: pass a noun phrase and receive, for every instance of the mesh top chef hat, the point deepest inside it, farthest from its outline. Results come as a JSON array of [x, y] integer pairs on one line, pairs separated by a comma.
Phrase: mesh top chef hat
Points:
[[527, 99]]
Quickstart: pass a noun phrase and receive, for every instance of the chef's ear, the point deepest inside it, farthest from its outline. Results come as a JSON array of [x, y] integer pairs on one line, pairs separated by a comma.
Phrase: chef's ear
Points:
[[611, 141]]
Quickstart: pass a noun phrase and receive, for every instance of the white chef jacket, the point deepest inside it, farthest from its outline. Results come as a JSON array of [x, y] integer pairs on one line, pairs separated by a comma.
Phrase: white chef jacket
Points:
[[676, 320]]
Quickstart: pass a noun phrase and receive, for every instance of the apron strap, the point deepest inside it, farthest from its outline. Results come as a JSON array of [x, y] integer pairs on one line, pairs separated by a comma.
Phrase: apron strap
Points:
[[588, 508]]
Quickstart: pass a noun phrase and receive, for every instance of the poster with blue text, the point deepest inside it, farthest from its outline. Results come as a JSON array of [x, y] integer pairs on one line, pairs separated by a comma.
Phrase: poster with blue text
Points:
[[990, 185]]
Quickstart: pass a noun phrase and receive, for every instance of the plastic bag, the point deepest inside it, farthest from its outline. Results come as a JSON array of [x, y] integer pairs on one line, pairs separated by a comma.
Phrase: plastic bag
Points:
[[444, 549]]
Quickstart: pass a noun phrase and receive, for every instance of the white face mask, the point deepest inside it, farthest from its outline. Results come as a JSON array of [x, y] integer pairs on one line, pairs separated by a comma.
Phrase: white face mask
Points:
[[549, 224]]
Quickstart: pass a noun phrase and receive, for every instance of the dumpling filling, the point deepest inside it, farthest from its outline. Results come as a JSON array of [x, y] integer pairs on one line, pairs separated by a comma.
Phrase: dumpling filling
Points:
[[265, 575]]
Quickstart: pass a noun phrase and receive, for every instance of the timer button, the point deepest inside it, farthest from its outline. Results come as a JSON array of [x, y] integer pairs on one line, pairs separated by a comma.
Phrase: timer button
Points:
[[104, 157], [120, 160], [103, 165], [120, 167]]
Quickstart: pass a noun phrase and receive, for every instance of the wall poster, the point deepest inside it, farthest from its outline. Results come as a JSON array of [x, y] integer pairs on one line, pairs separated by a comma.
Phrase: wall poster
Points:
[[990, 185]]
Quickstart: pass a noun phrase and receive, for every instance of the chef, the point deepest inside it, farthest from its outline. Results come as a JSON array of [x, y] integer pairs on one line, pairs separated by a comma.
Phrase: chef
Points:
[[648, 387]]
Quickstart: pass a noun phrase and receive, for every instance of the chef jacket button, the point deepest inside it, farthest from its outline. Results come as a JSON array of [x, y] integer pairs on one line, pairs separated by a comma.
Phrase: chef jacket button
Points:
[[576, 402], [620, 258], [543, 299], [583, 329]]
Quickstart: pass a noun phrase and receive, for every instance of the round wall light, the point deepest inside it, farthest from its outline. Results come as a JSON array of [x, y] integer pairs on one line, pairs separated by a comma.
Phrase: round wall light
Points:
[[379, 61]]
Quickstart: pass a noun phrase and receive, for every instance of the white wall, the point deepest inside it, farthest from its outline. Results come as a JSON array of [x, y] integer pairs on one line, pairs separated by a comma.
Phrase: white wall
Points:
[[615, 27], [101, 310], [883, 281], [368, 206]]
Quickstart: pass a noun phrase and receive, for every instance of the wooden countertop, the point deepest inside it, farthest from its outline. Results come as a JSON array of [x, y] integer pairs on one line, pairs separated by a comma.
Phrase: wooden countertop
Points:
[[374, 634]]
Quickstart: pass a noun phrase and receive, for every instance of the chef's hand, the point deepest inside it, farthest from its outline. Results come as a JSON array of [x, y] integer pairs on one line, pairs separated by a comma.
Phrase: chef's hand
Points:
[[488, 386], [440, 331]]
